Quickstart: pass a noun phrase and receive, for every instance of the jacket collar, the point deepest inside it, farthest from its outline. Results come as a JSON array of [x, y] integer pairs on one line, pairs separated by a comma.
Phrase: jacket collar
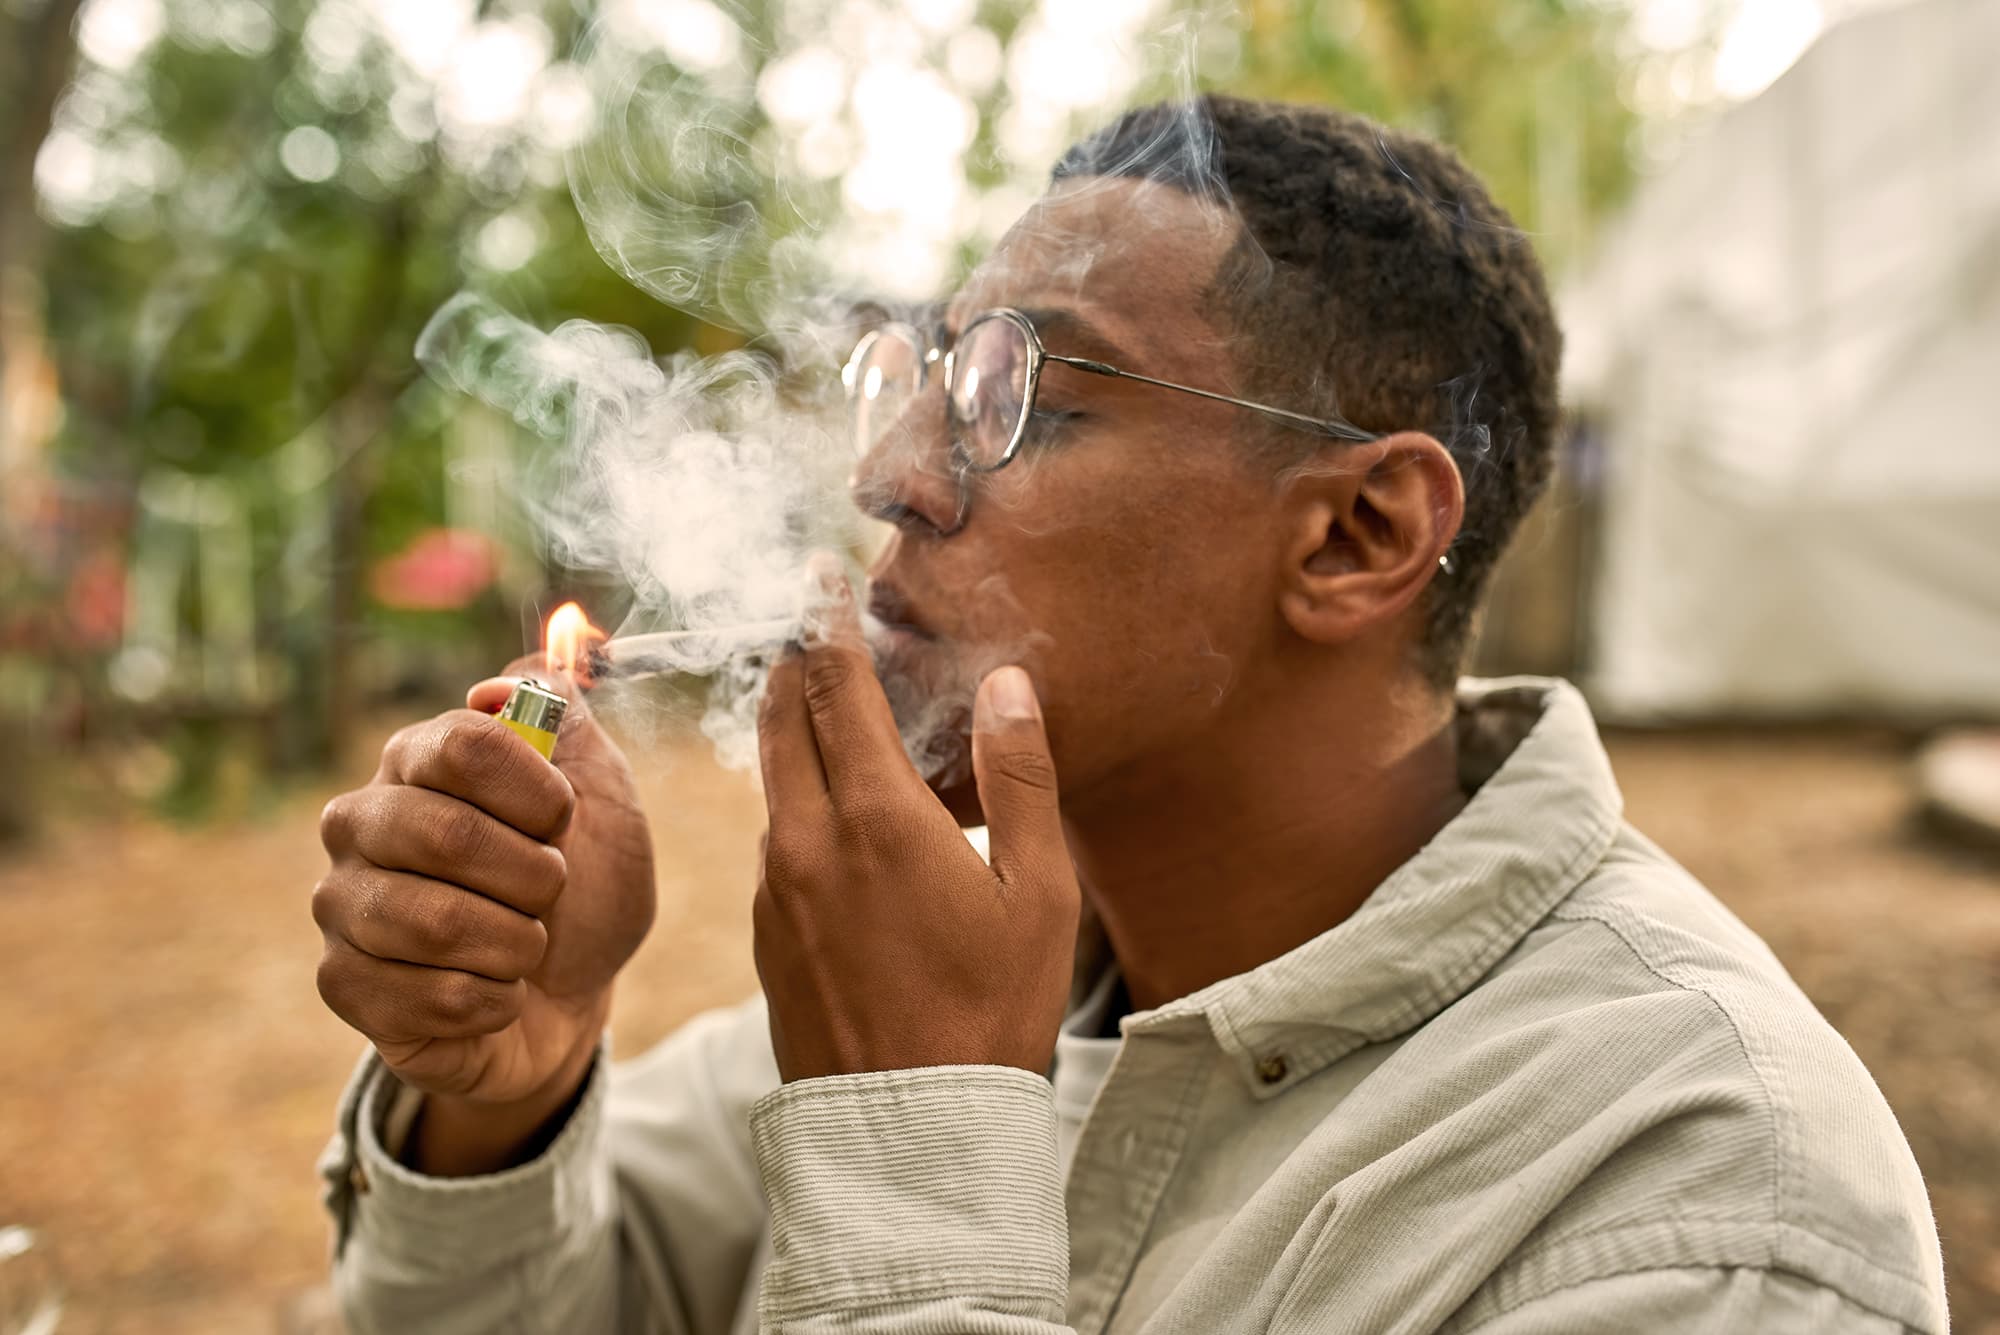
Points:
[[1545, 810]]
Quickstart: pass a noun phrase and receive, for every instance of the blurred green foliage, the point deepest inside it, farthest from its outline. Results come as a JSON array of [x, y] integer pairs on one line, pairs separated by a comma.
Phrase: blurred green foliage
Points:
[[1526, 90], [269, 214]]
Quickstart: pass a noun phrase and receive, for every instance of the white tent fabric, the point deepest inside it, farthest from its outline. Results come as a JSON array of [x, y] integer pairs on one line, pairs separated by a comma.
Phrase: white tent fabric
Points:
[[1789, 344]]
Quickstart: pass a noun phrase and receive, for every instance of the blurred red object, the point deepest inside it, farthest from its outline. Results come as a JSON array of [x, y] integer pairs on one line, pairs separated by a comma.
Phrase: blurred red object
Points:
[[94, 611], [442, 569]]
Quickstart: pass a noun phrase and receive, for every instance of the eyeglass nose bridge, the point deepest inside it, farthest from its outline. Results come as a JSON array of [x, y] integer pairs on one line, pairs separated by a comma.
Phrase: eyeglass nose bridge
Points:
[[964, 467], [898, 463]]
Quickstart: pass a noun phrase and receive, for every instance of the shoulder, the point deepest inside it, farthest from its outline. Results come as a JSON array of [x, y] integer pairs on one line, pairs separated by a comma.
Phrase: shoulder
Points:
[[1742, 1129]]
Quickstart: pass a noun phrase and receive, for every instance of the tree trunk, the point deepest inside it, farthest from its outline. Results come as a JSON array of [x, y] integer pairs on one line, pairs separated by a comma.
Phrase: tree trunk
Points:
[[357, 424], [41, 47]]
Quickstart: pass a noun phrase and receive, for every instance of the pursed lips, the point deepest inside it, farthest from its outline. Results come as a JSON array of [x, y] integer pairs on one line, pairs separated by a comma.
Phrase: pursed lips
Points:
[[888, 605]]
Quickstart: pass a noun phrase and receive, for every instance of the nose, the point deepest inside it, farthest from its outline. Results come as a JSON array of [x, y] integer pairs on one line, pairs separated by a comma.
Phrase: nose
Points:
[[907, 477]]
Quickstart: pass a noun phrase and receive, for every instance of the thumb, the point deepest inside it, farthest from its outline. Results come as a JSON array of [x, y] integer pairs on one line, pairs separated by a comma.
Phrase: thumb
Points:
[[489, 695], [1017, 782]]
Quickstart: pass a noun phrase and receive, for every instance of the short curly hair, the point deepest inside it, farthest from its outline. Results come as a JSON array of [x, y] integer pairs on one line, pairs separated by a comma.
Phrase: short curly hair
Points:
[[1376, 278]]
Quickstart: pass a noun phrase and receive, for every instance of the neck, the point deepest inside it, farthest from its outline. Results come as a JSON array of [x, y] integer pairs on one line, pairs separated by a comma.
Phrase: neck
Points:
[[1270, 829]]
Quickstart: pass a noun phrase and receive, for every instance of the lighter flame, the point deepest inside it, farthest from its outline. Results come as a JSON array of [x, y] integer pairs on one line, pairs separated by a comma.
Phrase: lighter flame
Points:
[[566, 643]]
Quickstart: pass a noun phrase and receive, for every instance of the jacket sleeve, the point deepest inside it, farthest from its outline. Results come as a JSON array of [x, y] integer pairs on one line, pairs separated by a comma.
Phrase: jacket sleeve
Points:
[[644, 1214], [1698, 1301], [913, 1203]]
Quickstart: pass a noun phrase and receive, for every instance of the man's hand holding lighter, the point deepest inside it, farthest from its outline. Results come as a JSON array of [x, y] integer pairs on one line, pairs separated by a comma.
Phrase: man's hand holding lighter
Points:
[[480, 902]]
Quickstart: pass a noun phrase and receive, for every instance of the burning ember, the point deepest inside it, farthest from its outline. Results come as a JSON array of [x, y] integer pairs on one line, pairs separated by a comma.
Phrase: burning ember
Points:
[[569, 645]]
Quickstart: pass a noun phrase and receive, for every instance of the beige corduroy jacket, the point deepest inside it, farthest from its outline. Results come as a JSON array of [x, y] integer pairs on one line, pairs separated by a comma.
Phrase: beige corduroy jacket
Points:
[[1541, 1082]]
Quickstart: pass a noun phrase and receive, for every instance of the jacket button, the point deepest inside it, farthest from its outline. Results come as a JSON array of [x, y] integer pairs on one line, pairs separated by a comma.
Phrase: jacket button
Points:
[[1272, 1068]]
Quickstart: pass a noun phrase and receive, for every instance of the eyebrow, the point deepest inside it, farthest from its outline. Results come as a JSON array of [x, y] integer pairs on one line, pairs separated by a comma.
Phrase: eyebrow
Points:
[[1064, 331], [1071, 334]]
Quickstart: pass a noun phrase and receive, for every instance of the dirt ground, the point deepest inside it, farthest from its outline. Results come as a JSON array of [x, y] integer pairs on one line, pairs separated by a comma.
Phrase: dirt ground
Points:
[[167, 1074]]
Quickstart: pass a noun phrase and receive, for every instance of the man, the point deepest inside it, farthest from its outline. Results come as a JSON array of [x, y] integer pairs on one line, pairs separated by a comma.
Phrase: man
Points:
[[1399, 1027]]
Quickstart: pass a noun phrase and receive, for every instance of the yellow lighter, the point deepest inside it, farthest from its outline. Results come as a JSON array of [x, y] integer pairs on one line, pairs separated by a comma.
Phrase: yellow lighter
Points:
[[536, 712]]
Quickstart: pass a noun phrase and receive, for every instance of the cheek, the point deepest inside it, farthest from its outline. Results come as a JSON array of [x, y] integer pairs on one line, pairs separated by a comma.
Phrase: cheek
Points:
[[1145, 621], [1164, 629]]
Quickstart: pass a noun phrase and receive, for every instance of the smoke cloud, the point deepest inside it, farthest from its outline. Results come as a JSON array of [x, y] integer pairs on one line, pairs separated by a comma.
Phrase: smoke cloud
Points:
[[792, 182]]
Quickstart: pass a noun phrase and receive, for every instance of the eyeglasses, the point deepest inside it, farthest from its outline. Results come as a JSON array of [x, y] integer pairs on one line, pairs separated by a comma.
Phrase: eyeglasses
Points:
[[991, 376]]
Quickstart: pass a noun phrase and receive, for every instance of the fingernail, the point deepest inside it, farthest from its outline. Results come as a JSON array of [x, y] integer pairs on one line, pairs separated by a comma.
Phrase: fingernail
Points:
[[828, 578], [827, 596], [1010, 695]]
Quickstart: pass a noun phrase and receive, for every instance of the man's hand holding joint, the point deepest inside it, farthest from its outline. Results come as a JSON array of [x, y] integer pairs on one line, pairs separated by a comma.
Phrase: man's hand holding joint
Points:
[[882, 939]]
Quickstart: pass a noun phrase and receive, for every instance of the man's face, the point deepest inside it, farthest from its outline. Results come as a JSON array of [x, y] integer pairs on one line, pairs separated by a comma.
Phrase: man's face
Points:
[[1125, 558]]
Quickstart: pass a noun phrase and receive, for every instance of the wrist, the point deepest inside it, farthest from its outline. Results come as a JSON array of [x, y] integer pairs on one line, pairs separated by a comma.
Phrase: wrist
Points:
[[456, 1135]]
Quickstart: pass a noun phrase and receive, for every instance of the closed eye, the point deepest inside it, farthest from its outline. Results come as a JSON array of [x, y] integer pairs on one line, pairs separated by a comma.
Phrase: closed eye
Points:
[[1048, 426]]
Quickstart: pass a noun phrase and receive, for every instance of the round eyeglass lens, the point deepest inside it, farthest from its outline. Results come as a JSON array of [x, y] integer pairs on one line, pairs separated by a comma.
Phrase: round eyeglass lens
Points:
[[989, 389], [884, 375]]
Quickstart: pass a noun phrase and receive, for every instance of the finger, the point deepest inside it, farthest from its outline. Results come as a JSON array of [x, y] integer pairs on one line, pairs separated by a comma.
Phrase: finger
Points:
[[787, 752], [481, 760], [398, 916], [393, 1002], [1017, 782], [415, 830], [487, 696], [859, 744]]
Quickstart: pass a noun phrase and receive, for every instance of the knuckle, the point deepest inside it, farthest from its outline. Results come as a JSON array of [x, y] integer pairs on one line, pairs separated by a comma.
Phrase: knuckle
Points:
[[830, 674], [1027, 768], [554, 875], [533, 945], [336, 822], [333, 978], [368, 901], [446, 920], [786, 862], [326, 896], [537, 882], [462, 836], [401, 742], [542, 798], [471, 753], [559, 803], [866, 813], [369, 821], [1060, 906], [496, 1004], [461, 999]]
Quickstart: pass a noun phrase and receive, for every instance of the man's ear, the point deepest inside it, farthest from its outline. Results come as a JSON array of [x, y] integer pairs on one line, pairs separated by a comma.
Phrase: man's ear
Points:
[[1366, 527]]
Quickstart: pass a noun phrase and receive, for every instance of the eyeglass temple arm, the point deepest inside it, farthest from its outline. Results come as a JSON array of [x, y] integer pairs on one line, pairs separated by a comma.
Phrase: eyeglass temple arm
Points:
[[1330, 426]]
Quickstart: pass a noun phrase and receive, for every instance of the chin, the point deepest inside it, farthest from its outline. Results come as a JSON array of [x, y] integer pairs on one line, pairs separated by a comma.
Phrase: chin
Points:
[[932, 705]]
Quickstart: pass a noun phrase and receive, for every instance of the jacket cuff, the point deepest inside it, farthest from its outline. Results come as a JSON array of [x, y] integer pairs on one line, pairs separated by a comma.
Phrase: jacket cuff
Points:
[[906, 1186], [446, 1225]]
